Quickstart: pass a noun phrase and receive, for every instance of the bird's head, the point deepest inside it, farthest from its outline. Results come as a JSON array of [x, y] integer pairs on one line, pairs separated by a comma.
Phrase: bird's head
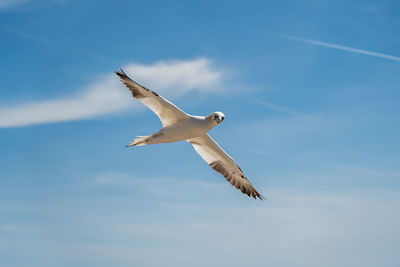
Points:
[[217, 117]]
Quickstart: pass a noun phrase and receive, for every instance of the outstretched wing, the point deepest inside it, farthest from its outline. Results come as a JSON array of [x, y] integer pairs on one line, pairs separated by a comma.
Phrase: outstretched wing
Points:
[[220, 161], [165, 110]]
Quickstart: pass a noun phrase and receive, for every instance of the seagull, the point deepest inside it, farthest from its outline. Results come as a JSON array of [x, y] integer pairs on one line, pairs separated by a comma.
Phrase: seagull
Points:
[[179, 126]]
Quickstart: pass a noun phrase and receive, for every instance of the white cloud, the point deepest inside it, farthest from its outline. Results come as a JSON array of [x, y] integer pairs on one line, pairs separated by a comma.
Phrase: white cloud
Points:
[[178, 76], [108, 95], [101, 98]]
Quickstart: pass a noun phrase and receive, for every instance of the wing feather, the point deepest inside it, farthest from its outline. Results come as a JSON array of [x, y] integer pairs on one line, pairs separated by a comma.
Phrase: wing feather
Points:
[[165, 110], [221, 162]]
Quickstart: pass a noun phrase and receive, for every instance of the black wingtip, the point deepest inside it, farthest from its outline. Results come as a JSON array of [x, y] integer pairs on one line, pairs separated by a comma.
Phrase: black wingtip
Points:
[[122, 75], [120, 72], [261, 197], [258, 196]]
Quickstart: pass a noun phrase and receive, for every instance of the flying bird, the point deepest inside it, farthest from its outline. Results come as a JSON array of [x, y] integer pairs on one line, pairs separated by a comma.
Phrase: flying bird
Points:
[[179, 126]]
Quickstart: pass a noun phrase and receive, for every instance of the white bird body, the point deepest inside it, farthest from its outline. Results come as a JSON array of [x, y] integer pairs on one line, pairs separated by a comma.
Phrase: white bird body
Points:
[[179, 126], [190, 127]]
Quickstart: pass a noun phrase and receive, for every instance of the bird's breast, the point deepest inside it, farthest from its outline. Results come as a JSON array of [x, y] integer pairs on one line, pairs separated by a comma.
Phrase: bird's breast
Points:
[[187, 129]]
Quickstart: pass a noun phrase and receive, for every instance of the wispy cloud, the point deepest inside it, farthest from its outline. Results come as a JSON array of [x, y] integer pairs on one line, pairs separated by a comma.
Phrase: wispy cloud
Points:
[[341, 47], [37, 38], [27, 5], [7, 4], [276, 134], [108, 95]]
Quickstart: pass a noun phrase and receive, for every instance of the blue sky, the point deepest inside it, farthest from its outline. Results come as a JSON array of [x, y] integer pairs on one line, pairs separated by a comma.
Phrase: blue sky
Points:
[[310, 90]]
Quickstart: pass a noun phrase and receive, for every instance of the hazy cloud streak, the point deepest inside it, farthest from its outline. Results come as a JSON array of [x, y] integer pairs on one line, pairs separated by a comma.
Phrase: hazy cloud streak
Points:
[[311, 226], [276, 107]]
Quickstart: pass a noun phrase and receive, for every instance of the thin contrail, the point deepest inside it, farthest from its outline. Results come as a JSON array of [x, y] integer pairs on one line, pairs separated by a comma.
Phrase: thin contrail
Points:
[[52, 43], [341, 47]]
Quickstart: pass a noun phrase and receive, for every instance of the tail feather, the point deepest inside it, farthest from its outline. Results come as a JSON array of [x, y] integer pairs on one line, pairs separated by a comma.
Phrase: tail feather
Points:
[[141, 141]]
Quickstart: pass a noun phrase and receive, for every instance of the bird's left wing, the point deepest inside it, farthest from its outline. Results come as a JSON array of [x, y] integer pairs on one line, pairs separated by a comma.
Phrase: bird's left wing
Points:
[[165, 110], [221, 162]]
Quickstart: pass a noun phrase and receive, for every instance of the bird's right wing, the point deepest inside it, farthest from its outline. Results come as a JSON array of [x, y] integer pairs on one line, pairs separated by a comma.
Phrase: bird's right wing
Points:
[[165, 110], [221, 162]]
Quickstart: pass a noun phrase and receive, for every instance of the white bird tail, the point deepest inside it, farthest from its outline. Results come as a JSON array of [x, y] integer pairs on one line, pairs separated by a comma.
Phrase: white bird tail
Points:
[[141, 141]]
